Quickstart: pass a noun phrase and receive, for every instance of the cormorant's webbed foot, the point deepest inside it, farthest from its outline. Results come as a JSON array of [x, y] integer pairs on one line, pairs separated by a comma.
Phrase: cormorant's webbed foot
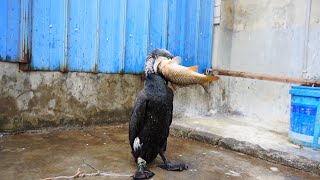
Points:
[[173, 167], [143, 172]]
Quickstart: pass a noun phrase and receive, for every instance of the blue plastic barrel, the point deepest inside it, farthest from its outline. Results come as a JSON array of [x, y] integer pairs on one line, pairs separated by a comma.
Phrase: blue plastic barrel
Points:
[[305, 116]]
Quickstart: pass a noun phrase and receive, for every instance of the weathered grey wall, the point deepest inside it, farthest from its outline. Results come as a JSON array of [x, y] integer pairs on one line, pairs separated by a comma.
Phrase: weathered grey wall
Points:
[[40, 99], [222, 56], [268, 38], [265, 36], [314, 42]]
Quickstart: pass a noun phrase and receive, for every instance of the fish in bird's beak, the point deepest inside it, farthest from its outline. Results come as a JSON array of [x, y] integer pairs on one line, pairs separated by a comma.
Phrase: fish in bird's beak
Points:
[[181, 75]]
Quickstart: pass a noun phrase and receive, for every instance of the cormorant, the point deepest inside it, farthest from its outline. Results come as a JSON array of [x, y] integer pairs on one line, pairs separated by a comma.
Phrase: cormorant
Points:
[[150, 120]]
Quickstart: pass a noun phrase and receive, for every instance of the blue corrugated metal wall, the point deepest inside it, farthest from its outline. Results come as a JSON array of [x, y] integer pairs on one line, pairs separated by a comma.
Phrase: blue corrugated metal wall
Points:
[[9, 30], [107, 36], [14, 30]]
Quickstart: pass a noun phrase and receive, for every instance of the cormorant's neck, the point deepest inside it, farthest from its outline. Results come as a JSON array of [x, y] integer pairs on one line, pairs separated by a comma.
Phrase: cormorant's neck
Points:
[[156, 77]]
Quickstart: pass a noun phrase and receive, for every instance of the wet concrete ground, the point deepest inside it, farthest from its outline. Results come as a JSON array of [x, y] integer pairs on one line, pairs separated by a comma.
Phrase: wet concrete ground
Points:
[[267, 134], [56, 153]]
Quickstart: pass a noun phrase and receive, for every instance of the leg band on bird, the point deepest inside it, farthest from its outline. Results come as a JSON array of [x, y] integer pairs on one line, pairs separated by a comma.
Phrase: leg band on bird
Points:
[[141, 162], [143, 172]]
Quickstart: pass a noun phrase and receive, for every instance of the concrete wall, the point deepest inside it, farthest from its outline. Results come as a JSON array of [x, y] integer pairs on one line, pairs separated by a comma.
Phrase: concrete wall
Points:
[[266, 36], [222, 56], [314, 42], [42, 99], [38, 99]]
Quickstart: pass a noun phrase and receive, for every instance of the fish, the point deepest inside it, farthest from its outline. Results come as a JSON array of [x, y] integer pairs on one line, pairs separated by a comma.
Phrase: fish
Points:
[[181, 75]]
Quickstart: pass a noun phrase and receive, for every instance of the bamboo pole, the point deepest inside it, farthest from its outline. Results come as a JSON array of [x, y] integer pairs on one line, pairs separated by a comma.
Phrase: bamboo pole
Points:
[[266, 77]]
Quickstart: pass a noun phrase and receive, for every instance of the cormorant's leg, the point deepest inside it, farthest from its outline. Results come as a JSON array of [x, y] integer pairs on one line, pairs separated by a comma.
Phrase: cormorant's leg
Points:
[[167, 164], [143, 172]]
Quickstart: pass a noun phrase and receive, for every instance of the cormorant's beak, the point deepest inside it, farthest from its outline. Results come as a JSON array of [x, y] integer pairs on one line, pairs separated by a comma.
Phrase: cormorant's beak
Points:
[[156, 65]]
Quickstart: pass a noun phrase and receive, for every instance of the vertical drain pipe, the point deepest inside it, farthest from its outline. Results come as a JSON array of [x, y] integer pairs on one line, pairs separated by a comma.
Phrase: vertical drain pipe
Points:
[[306, 41]]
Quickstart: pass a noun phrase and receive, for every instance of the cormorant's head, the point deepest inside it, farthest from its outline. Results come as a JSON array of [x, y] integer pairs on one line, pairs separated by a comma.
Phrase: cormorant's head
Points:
[[152, 57]]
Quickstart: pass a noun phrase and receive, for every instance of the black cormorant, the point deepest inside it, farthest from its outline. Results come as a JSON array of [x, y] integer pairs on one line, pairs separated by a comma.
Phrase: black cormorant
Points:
[[150, 120]]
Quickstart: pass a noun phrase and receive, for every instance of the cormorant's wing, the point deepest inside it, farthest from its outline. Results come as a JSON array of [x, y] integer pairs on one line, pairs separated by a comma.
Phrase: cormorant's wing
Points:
[[137, 116]]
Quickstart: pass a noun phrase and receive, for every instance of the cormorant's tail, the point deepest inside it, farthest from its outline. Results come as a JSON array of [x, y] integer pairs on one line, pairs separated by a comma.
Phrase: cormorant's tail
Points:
[[136, 148]]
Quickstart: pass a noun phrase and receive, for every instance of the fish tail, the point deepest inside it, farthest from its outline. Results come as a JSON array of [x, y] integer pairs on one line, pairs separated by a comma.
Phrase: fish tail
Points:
[[205, 86], [212, 78], [208, 79]]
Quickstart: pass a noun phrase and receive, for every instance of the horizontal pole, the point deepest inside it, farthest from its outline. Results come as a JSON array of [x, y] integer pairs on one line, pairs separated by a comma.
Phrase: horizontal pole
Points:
[[266, 77]]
